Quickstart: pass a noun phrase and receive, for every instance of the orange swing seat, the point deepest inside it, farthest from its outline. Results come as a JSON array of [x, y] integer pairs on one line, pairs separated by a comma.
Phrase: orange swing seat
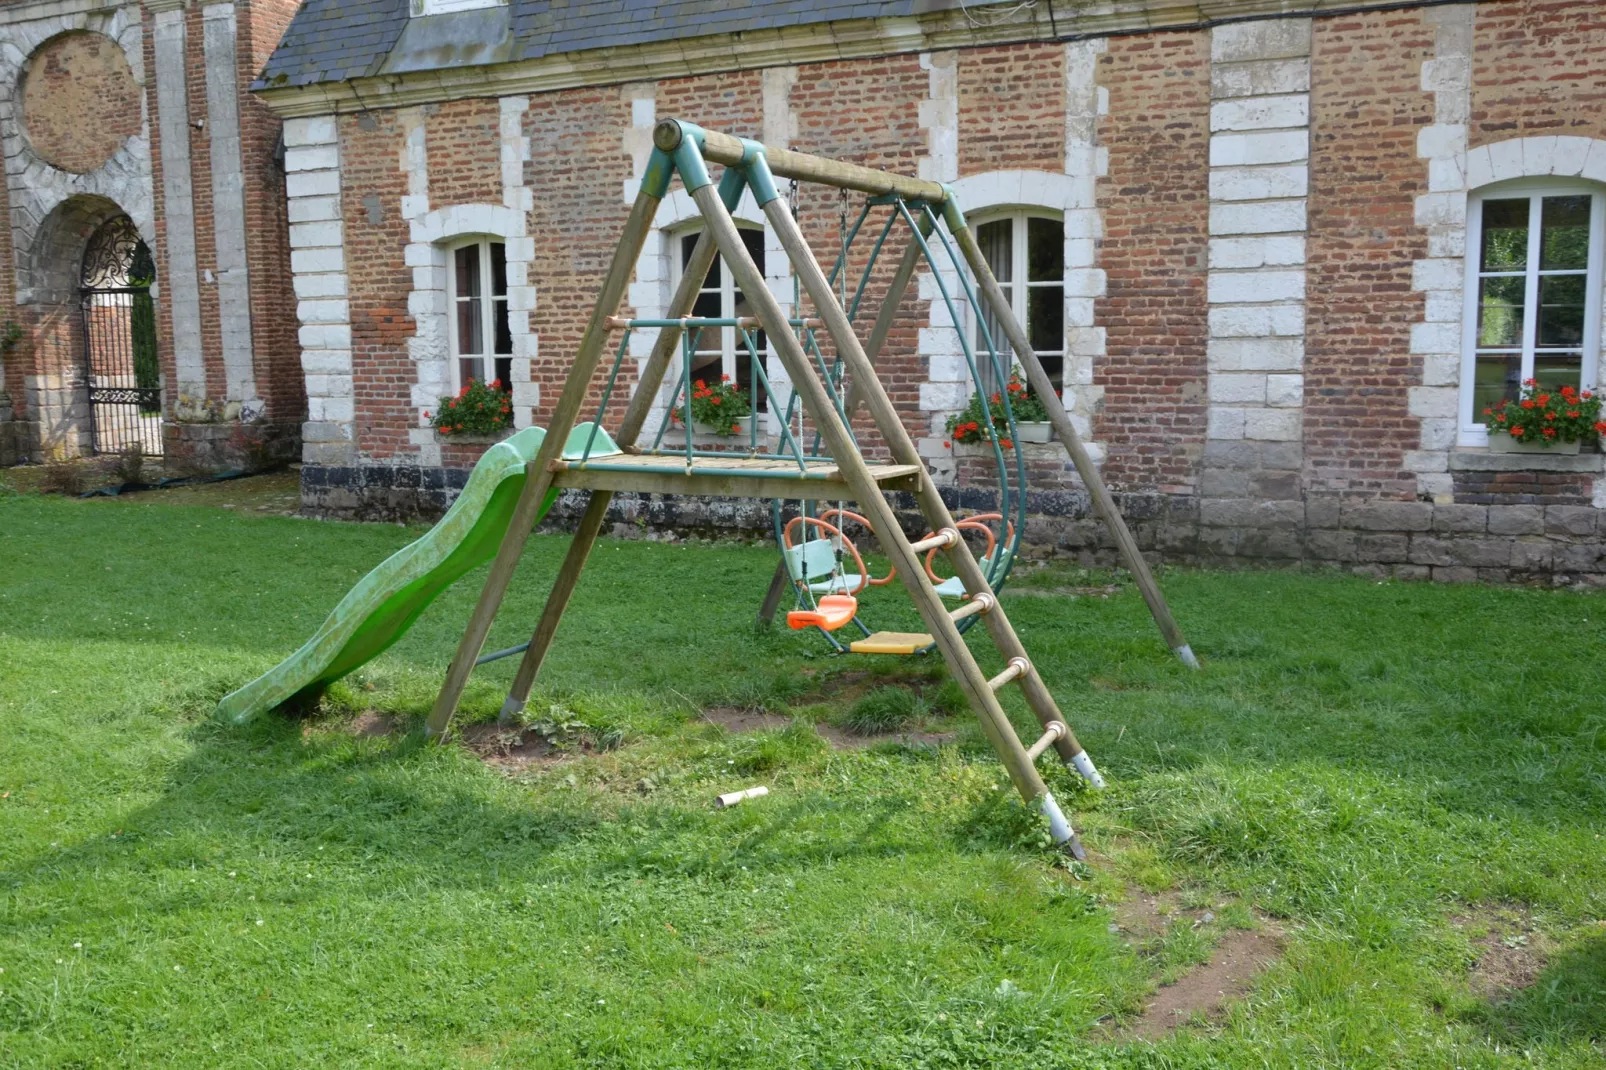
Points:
[[834, 610]]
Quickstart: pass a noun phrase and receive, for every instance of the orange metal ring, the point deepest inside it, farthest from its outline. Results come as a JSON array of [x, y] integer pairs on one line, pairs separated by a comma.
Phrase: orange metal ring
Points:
[[829, 513], [786, 541]]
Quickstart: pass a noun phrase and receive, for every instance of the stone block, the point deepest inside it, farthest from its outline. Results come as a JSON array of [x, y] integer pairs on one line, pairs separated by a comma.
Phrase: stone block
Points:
[[1261, 113], [1259, 77], [1455, 574], [1571, 152], [317, 130], [1321, 512], [1275, 486], [1238, 388], [1273, 250], [1255, 149], [1224, 483], [1259, 183], [1410, 573], [1443, 337], [1285, 391], [1225, 424], [1251, 513], [1532, 555], [1258, 217], [1381, 547], [1438, 273], [1516, 520], [1274, 425], [1255, 354], [1225, 454], [1439, 402], [1387, 516], [1460, 518], [317, 261], [312, 184], [310, 158], [1570, 519], [1334, 546], [1428, 550], [1260, 39]]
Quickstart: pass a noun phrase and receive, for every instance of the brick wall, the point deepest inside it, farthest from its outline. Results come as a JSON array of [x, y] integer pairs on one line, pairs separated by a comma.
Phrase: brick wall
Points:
[[1012, 108], [273, 303], [201, 194], [464, 143], [1366, 110], [372, 185], [1537, 69], [79, 101], [1156, 227]]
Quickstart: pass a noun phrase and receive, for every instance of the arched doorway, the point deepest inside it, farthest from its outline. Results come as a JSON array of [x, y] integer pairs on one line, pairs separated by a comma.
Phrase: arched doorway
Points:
[[121, 368]]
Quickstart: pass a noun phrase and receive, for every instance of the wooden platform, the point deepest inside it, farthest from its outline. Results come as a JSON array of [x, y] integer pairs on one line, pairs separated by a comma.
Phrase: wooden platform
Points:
[[732, 477]]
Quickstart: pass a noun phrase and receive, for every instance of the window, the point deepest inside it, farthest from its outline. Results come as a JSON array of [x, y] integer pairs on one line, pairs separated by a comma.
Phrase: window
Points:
[[1533, 294], [718, 351], [1027, 256], [480, 338], [445, 7]]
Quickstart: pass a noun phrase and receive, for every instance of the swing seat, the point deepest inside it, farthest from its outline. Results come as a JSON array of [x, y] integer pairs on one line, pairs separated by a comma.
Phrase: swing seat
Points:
[[834, 611], [954, 587]]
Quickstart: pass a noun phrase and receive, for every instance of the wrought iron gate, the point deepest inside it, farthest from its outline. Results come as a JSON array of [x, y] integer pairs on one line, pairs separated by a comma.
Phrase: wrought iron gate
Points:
[[121, 369]]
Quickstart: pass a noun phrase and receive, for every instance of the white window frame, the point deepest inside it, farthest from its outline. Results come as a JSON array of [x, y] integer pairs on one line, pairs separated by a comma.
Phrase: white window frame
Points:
[[1018, 217], [727, 299], [420, 8], [1472, 432], [488, 303]]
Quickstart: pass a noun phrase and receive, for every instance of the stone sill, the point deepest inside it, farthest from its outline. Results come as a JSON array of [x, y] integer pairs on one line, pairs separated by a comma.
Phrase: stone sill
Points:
[[1486, 461]]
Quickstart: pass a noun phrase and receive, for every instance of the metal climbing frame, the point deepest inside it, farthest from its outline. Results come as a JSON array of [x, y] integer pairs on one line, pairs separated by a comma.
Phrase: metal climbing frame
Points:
[[836, 471]]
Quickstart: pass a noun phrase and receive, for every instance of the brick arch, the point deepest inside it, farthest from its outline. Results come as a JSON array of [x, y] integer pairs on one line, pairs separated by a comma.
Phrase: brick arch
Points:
[[48, 279]]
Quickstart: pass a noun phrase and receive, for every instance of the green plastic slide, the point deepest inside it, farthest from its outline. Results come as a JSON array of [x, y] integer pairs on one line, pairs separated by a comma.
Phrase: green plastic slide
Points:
[[384, 604]]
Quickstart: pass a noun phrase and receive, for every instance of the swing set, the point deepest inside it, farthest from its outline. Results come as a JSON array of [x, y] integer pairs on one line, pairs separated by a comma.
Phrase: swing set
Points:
[[809, 453]]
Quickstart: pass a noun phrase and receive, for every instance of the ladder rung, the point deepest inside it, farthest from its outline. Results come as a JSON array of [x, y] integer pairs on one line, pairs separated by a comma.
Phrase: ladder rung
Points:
[[980, 603], [1017, 668], [1051, 734], [942, 540]]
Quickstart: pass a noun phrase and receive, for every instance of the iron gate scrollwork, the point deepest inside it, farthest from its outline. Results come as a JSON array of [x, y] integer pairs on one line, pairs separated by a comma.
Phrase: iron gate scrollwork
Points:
[[121, 369]]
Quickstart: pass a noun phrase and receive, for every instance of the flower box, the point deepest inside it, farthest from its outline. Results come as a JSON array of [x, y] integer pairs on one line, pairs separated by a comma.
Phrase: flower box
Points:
[[743, 425], [1500, 443], [1034, 431]]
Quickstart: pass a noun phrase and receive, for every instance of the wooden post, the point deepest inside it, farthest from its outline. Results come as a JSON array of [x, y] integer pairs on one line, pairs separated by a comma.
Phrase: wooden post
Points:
[[994, 722], [1102, 502], [585, 537], [538, 473]]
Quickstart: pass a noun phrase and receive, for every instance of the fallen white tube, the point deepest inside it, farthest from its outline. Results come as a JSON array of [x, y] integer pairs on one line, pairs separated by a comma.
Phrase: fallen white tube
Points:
[[731, 798]]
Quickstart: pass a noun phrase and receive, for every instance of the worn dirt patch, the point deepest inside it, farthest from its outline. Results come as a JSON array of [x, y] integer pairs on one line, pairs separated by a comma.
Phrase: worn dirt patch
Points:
[[1511, 951], [742, 721], [372, 724], [511, 748], [1237, 959], [739, 720], [1142, 917]]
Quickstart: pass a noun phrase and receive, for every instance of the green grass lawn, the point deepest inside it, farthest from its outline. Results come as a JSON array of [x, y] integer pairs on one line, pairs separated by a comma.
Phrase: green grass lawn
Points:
[[1364, 766]]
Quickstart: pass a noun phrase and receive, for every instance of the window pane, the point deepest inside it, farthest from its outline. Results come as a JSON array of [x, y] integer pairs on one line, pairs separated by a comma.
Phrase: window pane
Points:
[[1505, 235], [706, 306], [1496, 378], [1500, 310], [1045, 251], [1045, 318], [1556, 370], [498, 269], [469, 327], [503, 341], [754, 240], [468, 271], [688, 242], [504, 371], [997, 241], [468, 368], [1561, 310], [1564, 232]]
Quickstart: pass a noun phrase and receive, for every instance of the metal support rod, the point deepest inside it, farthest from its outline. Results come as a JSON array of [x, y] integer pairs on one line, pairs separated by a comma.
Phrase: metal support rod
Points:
[[538, 472], [1061, 420]]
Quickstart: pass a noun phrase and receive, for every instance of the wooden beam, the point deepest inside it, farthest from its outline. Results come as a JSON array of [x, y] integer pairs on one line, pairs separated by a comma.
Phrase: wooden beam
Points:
[[538, 472]]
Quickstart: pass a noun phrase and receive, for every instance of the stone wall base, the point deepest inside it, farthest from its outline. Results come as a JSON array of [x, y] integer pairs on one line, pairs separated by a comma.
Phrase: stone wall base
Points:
[[222, 447], [1528, 543]]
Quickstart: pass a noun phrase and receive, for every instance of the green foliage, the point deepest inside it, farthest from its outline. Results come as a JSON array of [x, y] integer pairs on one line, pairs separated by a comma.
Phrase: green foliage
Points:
[[478, 409], [719, 406], [886, 709], [1540, 415], [969, 425], [1363, 762]]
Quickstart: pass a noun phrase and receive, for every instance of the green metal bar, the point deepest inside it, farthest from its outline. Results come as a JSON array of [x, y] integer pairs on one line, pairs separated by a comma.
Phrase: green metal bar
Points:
[[607, 393], [807, 475], [692, 322], [875, 256], [786, 432]]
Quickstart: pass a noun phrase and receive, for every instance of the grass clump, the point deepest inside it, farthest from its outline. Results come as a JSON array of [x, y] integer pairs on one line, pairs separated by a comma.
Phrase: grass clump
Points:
[[886, 709]]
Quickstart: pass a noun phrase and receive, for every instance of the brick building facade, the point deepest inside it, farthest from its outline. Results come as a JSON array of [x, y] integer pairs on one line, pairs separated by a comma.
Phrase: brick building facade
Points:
[[145, 272], [1271, 295]]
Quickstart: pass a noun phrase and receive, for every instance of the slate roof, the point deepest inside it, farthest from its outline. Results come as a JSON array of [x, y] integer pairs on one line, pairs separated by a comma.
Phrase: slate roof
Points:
[[332, 40]]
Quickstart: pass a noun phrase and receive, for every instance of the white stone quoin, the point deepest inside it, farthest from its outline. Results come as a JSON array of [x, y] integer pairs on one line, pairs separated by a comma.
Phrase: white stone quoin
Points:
[[318, 266], [1259, 179]]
